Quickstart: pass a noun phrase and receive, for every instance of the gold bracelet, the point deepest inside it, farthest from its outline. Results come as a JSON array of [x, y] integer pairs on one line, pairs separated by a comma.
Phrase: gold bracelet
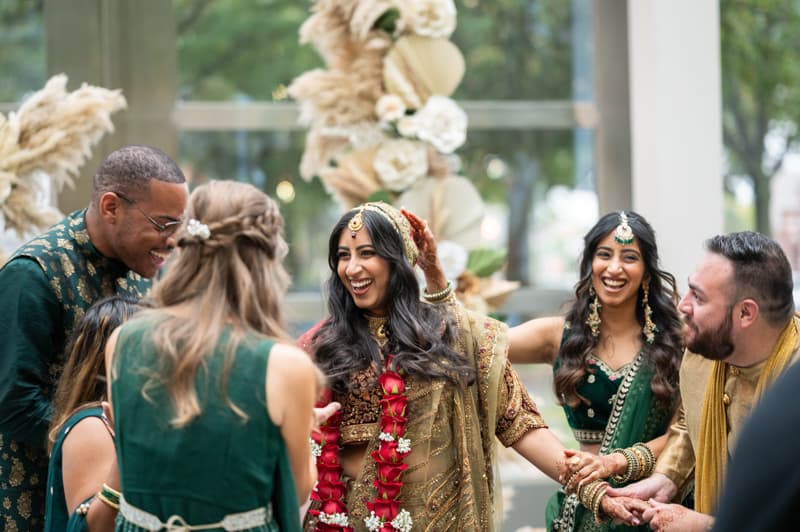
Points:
[[630, 470], [597, 503], [113, 505], [649, 459], [110, 492], [587, 492], [439, 296]]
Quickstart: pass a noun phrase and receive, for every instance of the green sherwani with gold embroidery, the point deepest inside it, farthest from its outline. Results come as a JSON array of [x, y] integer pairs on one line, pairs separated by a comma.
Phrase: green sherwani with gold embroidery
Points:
[[45, 288]]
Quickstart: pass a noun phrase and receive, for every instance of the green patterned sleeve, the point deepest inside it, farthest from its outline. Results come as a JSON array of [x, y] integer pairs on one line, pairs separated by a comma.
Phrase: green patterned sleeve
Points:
[[31, 339]]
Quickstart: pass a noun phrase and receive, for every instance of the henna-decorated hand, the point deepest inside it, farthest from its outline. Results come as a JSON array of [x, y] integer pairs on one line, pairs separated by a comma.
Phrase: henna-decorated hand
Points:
[[428, 260], [580, 468], [624, 509], [675, 518]]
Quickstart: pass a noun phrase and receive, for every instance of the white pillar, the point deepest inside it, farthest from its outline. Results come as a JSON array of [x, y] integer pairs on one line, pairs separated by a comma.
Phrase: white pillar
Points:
[[676, 128]]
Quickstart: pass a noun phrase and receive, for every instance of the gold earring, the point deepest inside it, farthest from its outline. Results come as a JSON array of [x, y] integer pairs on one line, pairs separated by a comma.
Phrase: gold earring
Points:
[[649, 330], [593, 319]]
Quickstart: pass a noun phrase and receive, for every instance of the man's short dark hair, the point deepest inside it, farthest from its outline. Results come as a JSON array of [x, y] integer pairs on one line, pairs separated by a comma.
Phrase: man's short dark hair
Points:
[[130, 168], [761, 271]]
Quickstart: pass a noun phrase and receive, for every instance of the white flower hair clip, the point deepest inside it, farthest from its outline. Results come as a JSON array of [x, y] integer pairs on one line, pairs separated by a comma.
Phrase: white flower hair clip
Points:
[[200, 230]]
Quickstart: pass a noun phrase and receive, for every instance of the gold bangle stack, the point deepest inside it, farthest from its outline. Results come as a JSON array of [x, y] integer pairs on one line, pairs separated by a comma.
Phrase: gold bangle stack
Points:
[[641, 462], [109, 496], [591, 496], [441, 295]]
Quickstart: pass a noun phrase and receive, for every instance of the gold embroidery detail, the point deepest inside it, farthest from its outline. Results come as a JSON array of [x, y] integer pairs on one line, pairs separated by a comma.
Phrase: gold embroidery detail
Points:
[[17, 472], [24, 504]]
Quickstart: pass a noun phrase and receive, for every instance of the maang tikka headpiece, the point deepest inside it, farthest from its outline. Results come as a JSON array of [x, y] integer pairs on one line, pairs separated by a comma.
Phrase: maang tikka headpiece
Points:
[[356, 222], [398, 221], [623, 233]]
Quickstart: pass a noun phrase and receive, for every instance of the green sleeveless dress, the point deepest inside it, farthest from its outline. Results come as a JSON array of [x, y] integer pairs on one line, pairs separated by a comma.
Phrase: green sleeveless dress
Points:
[[219, 464], [57, 517]]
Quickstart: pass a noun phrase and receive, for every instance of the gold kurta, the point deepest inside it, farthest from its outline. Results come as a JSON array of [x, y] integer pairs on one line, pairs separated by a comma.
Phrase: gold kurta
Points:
[[677, 460], [450, 482]]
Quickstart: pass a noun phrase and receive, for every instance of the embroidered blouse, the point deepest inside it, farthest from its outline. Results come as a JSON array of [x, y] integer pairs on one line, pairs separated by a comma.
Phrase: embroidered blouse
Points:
[[588, 420]]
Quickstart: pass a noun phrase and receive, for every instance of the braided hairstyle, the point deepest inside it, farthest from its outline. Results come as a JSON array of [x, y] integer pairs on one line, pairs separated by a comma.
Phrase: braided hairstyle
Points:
[[664, 354], [233, 277]]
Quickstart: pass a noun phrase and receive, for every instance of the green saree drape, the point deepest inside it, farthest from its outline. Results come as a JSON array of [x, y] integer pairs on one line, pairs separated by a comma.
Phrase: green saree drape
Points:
[[636, 416]]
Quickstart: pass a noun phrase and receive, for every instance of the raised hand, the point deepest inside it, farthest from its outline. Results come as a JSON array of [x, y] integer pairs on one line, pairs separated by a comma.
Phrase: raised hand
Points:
[[428, 260]]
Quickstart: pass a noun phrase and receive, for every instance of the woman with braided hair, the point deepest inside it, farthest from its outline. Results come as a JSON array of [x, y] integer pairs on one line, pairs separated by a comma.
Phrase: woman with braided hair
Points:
[[212, 406], [615, 358]]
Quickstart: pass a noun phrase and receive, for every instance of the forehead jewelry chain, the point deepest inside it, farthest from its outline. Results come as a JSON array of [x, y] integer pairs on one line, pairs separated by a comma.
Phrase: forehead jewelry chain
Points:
[[356, 223], [623, 233]]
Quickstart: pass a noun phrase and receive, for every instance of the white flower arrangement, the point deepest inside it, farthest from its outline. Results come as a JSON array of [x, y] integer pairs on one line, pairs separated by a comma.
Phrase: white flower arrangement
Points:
[[390, 108], [400, 163], [360, 137], [316, 449], [394, 77], [385, 436], [373, 522], [433, 18], [453, 257], [198, 229], [442, 123], [407, 127], [403, 445], [339, 519], [403, 521]]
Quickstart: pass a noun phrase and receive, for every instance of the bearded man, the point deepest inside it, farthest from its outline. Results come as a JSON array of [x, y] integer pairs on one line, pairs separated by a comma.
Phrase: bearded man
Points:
[[741, 333]]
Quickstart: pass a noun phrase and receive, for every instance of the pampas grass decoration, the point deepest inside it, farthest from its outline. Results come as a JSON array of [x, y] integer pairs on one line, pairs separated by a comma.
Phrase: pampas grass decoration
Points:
[[52, 132]]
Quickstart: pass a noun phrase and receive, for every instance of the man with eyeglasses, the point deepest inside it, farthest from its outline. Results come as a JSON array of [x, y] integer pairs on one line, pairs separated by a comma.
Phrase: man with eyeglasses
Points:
[[115, 246]]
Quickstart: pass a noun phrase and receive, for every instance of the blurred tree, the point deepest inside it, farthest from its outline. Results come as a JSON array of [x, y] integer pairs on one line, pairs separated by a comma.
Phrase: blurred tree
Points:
[[22, 59], [243, 50], [517, 50], [760, 48]]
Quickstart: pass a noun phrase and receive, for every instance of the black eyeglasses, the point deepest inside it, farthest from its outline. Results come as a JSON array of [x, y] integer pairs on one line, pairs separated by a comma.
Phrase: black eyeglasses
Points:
[[165, 229]]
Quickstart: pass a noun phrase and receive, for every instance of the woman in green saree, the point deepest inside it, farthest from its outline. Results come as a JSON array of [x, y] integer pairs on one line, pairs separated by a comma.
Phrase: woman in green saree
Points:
[[615, 358]]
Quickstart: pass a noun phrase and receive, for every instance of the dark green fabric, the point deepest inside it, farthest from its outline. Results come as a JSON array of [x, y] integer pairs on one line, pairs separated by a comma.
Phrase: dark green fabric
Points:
[[45, 288], [216, 465], [642, 417], [57, 517], [597, 389]]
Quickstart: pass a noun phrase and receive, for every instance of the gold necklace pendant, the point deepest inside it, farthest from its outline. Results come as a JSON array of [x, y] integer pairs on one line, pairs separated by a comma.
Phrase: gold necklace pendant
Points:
[[377, 328]]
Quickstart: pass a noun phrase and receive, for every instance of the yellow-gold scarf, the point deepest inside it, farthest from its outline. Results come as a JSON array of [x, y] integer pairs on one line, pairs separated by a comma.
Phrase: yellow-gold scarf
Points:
[[712, 455]]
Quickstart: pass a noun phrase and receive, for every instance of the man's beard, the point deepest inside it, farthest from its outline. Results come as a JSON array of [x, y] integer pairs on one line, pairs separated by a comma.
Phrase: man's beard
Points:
[[714, 344]]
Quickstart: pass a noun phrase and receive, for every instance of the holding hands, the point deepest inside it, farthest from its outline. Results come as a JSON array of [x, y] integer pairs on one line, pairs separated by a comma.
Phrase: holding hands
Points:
[[675, 518], [581, 467], [644, 501]]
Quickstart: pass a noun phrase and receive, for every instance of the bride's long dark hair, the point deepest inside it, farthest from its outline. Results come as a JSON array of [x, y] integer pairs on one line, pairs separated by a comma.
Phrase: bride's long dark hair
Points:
[[664, 354], [420, 334]]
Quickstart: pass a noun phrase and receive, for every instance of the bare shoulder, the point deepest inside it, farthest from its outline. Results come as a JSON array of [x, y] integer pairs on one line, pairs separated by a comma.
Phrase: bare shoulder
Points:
[[87, 437], [291, 362]]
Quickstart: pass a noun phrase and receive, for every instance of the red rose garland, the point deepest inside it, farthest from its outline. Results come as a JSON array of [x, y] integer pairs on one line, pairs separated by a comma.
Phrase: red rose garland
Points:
[[385, 512]]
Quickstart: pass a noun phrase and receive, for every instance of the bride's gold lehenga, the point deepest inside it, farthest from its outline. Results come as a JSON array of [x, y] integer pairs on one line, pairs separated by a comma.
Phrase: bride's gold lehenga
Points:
[[450, 481]]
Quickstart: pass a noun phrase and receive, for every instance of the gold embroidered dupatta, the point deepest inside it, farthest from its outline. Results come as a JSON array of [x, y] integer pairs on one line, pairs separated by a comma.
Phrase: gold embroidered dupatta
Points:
[[450, 482]]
